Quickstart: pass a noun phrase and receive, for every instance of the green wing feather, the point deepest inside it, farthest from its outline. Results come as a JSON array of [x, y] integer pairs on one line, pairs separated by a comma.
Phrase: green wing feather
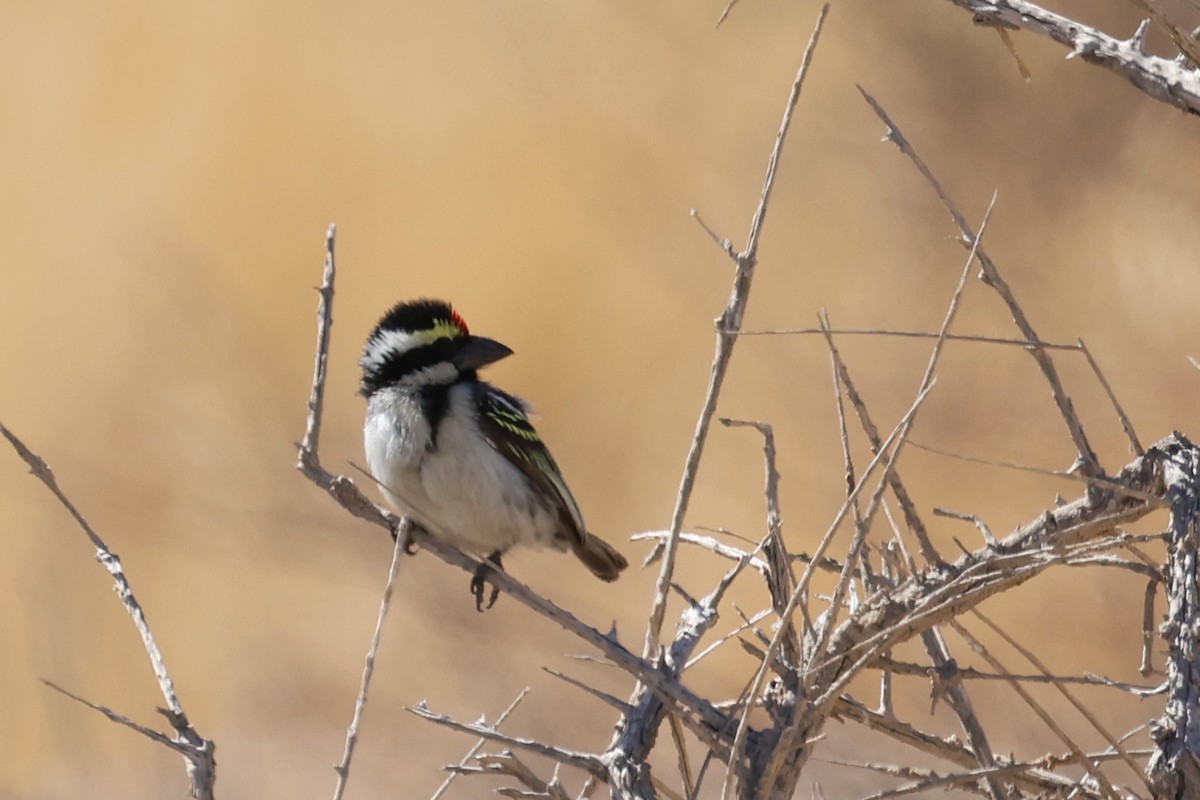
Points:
[[506, 427]]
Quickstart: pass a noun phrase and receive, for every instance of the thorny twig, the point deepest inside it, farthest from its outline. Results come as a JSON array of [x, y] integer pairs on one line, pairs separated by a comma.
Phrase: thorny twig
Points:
[[479, 743]]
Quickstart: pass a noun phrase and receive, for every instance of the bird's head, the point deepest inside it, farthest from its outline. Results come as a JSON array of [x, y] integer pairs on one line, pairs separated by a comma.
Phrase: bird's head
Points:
[[423, 343]]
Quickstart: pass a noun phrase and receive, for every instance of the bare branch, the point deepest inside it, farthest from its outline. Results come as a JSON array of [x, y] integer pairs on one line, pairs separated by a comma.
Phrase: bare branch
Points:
[[868, 425], [969, 673], [603, 697], [198, 752], [508, 764], [316, 399], [1165, 80]]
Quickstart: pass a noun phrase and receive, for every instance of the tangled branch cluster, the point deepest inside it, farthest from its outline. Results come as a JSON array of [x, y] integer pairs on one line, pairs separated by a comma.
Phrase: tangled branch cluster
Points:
[[890, 589]]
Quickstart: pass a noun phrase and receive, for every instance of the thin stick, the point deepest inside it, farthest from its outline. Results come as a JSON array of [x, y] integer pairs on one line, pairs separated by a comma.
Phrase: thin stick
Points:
[[316, 399], [360, 703], [725, 13], [729, 323], [1126, 425], [1150, 499], [988, 537], [952, 337]]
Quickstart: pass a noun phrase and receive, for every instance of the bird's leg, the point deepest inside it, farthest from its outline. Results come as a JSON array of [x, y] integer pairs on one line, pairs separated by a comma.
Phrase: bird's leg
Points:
[[410, 546], [478, 580]]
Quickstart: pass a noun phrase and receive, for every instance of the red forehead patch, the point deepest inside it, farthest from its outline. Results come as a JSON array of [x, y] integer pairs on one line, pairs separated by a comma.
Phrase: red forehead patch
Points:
[[459, 321]]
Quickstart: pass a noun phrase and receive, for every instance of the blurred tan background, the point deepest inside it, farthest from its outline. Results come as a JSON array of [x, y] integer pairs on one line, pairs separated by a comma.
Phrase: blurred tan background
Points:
[[169, 174]]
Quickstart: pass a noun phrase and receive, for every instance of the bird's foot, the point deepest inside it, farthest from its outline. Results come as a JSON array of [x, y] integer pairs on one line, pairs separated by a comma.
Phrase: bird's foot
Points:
[[479, 580]]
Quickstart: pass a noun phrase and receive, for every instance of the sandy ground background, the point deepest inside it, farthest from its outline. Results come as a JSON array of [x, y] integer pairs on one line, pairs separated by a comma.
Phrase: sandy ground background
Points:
[[169, 174]]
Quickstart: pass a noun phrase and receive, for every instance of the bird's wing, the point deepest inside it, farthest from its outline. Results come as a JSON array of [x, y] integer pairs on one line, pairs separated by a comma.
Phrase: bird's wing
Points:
[[507, 429]]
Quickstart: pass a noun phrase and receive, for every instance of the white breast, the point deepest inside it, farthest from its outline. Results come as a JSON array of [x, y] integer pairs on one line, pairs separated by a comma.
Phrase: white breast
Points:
[[469, 494]]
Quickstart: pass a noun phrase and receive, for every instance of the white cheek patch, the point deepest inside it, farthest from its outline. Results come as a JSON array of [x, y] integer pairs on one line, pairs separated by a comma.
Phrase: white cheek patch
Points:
[[387, 342], [442, 373]]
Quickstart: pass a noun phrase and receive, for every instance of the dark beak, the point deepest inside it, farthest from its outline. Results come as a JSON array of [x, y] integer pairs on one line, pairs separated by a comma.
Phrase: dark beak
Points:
[[478, 351]]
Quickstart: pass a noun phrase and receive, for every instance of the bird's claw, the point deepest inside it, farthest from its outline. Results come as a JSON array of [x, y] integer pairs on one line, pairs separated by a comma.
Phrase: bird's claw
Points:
[[479, 580]]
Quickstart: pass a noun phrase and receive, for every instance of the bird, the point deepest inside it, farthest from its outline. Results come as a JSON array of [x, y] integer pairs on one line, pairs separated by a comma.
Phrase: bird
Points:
[[458, 455]]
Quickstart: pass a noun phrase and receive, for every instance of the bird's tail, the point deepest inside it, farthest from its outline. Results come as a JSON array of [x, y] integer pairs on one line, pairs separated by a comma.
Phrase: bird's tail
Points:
[[600, 557]]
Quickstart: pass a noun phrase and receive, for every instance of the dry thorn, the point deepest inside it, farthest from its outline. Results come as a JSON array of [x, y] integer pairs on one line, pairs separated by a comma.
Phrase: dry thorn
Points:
[[718, 240], [976, 521], [603, 697], [588, 763], [1007, 41], [479, 743]]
